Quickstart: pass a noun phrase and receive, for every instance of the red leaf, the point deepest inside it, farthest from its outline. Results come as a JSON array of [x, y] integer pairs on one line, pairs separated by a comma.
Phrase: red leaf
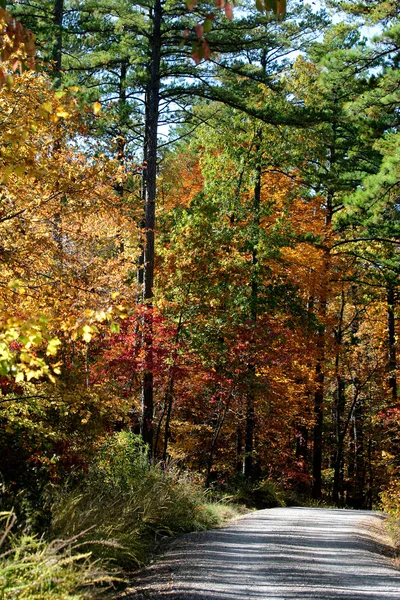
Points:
[[199, 30], [207, 50], [228, 11], [196, 56]]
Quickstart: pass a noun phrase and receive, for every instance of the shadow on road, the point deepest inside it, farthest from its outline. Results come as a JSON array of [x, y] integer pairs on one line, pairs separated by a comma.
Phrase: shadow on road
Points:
[[278, 554]]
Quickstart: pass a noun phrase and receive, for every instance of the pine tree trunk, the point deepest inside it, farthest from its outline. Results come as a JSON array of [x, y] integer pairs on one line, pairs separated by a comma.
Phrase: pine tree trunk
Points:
[[58, 13], [392, 358], [320, 363], [357, 464], [339, 410], [149, 199], [248, 461]]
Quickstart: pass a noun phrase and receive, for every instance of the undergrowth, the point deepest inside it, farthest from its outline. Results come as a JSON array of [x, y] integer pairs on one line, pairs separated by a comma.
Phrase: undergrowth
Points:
[[125, 505], [390, 504], [105, 526], [32, 569]]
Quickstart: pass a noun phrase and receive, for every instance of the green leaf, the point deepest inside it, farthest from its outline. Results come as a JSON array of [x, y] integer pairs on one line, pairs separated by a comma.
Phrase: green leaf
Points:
[[207, 25], [260, 6], [115, 327]]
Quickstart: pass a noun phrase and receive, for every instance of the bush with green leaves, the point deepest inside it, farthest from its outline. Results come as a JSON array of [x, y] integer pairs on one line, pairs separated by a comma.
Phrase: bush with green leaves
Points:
[[256, 494], [32, 569], [125, 505]]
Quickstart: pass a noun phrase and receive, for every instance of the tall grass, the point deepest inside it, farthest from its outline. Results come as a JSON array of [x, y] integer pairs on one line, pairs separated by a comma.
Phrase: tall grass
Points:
[[104, 527], [32, 569], [125, 505], [390, 503]]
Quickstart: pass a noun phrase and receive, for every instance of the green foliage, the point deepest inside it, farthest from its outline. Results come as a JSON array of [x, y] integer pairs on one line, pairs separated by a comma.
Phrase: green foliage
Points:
[[46, 435], [32, 569], [120, 461], [125, 505], [259, 494], [104, 527], [390, 503]]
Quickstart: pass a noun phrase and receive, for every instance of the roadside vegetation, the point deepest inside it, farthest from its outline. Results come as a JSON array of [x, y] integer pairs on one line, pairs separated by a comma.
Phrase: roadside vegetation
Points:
[[103, 526], [390, 504], [198, 320]]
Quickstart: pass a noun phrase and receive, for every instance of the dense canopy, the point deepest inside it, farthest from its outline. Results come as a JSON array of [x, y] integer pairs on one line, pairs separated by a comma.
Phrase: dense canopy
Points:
[[199, 237]]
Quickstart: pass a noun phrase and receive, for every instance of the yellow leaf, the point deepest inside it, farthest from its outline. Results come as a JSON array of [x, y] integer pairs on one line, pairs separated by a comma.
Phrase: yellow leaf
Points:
[[47, 106], [61, 112], [9, 82], [96, 108], [52, 347]]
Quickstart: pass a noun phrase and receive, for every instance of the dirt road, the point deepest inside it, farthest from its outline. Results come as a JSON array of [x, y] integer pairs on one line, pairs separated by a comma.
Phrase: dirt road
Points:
[[277, 554]]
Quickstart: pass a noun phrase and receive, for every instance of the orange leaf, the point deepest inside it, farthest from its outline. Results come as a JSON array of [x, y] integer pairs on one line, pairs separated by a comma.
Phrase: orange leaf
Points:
[[228, 11], [199, 30], [196, 56]]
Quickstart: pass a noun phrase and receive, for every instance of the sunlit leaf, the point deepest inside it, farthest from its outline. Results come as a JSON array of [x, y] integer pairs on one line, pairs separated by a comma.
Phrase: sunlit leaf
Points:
[[96, 108], [47, 106]]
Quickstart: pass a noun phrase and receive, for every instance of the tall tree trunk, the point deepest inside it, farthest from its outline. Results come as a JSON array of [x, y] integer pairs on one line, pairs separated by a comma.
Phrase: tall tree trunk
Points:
[[248, 461], [392, 358], [250, 423], [169, 394], [320, 347], [121, 143], [357, 465], [122, 113], [58, 14], [339, 410], [318, 425], [149, 199], [217, 430], [239, 445]]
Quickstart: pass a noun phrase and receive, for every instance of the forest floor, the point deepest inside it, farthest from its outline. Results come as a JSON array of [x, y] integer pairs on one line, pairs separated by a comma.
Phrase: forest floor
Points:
[[277, 554]]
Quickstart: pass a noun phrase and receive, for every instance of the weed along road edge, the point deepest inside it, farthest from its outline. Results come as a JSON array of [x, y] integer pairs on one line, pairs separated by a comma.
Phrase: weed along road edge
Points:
[[277, 554]]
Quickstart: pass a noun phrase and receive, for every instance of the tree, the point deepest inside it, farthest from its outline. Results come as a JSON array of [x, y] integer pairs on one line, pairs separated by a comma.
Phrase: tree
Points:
[[156, 30]]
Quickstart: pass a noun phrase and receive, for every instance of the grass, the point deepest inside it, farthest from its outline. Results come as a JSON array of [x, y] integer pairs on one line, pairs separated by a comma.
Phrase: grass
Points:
[[32, 569], [125, 507], [105, 527]]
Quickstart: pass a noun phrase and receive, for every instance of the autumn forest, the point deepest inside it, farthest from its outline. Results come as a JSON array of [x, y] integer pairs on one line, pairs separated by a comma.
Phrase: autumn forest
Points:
[[199, 238]]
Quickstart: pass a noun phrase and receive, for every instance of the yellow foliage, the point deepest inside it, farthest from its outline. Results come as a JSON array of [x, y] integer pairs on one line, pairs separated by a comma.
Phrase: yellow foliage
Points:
[[60, 224]]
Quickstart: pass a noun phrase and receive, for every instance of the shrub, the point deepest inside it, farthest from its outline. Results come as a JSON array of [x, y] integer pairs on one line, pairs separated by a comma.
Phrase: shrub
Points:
[[31, 569], [390, 503], [260, 494], [125, 505]]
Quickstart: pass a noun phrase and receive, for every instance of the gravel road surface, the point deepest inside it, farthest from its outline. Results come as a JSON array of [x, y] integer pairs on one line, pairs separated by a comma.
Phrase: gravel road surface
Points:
[[277, 554]]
